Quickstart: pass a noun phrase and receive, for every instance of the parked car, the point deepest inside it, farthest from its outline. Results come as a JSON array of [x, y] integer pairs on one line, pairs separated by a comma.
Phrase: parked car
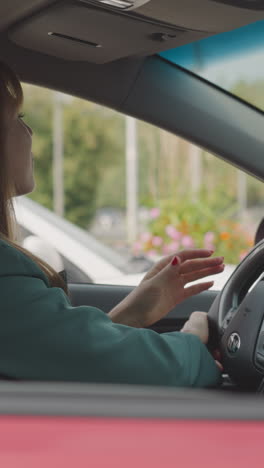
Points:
[[107, 51]]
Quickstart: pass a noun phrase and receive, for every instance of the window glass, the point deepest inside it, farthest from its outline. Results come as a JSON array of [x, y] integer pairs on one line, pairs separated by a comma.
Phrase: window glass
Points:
[[233, 60], [129, 193]]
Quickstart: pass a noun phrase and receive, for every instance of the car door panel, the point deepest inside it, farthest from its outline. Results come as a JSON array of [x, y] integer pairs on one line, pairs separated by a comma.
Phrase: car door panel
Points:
[[106, 297]]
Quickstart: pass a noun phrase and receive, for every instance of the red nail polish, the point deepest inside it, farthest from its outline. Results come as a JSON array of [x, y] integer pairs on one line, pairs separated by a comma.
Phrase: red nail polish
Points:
[[175, 261]]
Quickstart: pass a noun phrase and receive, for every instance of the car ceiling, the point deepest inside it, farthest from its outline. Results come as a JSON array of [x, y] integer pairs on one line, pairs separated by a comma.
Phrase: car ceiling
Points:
[[88, 32]]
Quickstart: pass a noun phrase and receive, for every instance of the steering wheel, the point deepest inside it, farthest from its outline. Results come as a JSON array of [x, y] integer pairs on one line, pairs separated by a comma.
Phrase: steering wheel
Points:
[[236, 321]]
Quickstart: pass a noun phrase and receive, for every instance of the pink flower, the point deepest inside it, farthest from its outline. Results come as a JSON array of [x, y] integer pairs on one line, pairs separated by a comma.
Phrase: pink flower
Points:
[[172, 247], [137, 248], [157, 241], [154, 213], [209, 237], [146, 237], [187, 242], [242, 255], [172, 232], [209, 246], [165, 249], [151, 253]]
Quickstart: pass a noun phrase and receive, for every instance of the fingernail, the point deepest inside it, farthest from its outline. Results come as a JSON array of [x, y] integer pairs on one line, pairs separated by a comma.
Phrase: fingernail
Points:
[[175, 261]]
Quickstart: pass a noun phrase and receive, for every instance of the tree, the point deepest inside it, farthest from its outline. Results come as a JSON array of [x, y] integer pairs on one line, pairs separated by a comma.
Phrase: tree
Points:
[[93, 150], [94, 146], [38, 115]]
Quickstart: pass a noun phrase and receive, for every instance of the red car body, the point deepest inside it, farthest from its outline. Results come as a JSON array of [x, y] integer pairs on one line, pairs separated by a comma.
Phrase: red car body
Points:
[[66, 442]]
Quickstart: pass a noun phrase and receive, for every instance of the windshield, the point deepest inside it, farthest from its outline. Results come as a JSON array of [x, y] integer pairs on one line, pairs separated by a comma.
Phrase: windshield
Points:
[[233, 60]]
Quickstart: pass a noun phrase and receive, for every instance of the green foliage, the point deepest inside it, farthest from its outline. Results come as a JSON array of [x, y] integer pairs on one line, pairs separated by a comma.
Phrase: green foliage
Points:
[[250, 92], [38, 115], [91, 147], [93, 155]]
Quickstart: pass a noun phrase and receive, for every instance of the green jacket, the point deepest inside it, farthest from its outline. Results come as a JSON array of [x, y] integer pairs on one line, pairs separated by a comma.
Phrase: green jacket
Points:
[[42, 337]]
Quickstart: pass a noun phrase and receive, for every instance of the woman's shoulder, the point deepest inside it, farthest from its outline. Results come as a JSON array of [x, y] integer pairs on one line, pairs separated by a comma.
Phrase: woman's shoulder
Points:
[[7, 250], [14, 262]]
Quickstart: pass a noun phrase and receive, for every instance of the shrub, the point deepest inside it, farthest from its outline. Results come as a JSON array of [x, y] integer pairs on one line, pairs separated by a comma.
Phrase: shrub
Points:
[[209, 224]]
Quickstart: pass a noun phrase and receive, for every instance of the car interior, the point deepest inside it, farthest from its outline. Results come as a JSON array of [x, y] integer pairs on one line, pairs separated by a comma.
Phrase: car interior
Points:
[[112, 52]]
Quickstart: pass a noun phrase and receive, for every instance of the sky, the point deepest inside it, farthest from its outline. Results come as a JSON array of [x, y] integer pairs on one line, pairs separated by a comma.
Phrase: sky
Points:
[[227, 72]]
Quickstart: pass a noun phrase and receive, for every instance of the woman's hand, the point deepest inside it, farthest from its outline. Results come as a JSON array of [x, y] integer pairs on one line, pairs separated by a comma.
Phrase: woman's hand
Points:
[[197, 324], [163, 287]]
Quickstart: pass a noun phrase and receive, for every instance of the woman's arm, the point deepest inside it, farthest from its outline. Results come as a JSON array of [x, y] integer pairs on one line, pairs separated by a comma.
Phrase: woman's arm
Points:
[[42, 337]]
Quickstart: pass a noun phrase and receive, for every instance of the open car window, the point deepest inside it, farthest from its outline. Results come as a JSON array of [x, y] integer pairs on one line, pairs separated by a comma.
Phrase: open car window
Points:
[[127, 193]]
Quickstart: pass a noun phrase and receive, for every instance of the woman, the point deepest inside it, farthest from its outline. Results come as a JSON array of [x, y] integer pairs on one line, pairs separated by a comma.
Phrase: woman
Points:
[[42, 337]]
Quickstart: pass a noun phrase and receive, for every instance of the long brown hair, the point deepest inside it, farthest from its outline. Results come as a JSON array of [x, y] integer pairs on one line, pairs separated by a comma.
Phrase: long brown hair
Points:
[[11, 100]]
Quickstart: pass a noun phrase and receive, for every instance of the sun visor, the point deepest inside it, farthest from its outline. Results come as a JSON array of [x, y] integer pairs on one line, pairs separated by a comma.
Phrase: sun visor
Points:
[[82, 32]]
